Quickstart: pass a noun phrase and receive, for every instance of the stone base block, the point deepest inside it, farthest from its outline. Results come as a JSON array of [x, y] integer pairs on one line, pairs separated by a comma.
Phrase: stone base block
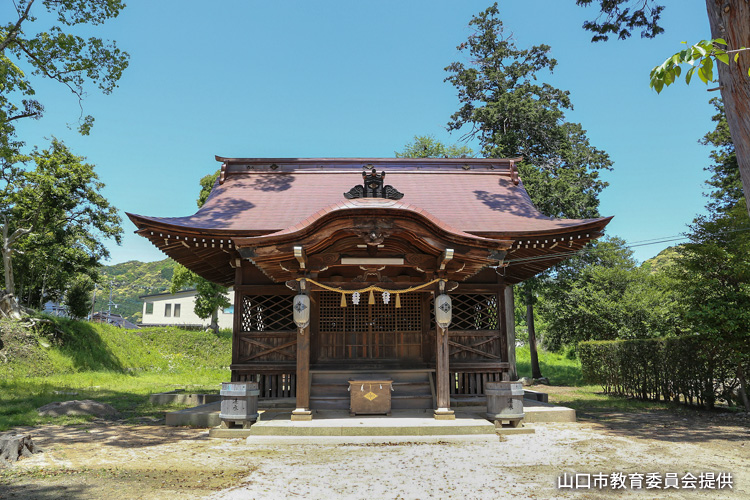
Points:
[[300, 415], [444, 414]]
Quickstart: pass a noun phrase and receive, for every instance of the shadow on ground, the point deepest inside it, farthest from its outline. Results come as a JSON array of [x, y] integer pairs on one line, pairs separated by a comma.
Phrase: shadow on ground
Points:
[[111, 434], [41, 492], [685, 426]]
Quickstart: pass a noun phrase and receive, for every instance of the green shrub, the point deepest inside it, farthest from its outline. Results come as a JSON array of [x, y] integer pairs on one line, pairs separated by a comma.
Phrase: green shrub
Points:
[[687, 369]]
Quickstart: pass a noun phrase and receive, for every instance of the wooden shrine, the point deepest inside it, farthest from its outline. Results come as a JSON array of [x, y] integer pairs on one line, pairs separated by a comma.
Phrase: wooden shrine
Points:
[[360, 263]]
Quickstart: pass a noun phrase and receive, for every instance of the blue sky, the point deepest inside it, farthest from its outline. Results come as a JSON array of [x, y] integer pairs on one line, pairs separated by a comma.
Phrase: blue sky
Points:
[[337, 79]]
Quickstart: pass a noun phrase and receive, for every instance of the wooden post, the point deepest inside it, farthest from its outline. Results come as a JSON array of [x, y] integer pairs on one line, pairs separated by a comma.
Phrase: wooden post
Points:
[[510, 330], [302, 412], [442, 376], [237, 319]]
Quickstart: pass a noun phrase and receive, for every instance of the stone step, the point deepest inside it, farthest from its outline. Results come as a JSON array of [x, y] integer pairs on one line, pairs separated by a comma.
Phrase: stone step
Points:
[[411, 388], [397, 402], [399, 388]]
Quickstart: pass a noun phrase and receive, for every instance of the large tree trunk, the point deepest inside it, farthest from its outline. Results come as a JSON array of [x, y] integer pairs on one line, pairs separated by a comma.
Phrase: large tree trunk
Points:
[[8, 248], [743, 387], [215, 321], [10, 286], [8, 303], [730, 20], [536, 372]]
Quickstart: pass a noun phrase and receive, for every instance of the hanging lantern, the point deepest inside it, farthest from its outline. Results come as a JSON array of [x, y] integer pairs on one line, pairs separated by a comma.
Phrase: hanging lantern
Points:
[[443, 310], [302, 310]]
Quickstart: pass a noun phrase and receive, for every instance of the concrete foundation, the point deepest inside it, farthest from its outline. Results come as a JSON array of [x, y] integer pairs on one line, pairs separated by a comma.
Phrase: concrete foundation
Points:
[[181, 398], [275, 420]]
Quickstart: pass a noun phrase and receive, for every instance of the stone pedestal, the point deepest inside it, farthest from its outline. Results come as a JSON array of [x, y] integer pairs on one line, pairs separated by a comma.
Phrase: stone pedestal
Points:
[[444, 414], [301, 414]]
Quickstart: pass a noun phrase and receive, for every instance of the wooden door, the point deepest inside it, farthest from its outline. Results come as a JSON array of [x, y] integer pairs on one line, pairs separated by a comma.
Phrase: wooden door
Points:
[[372, 332]]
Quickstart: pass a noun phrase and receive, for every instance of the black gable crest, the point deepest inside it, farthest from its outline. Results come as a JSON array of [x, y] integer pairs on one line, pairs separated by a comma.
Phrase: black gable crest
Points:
[[373, 187]]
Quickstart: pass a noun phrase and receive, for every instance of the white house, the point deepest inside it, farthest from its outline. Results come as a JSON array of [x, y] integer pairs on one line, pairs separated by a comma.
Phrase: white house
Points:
[[178, 309]]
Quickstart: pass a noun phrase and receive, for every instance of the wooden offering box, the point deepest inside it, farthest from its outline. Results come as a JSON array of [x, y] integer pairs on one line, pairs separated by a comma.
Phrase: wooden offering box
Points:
[[370, 396]]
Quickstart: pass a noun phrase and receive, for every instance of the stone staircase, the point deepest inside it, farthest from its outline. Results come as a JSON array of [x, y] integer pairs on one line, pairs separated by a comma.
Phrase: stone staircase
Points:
[[412, 389]]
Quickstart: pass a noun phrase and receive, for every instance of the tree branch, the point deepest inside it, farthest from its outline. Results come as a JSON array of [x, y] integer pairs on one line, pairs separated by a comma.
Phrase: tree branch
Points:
[[16, 29], [44, 70], [25, 115], [17, 234]]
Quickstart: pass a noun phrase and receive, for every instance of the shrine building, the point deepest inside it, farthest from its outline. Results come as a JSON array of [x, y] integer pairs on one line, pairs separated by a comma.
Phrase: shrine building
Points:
[[389, 267]]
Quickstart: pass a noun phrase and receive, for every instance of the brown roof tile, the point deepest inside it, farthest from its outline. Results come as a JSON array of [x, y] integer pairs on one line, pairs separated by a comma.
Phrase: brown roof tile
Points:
[[266, 202]]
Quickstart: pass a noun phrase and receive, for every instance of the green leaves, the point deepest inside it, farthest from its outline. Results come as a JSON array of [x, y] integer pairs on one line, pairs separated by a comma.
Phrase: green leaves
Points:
[[700, 57], [53, 53], [705, 72], [508, 107], [426, 146], [59, 196]]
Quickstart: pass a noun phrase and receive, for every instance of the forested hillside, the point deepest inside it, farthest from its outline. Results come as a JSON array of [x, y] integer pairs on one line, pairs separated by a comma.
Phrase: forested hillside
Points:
[[128, 281]]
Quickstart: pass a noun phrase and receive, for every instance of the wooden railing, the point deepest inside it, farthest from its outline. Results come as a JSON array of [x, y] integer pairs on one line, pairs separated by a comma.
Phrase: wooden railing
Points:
[[472, 384], [284, 385], [272, 385]]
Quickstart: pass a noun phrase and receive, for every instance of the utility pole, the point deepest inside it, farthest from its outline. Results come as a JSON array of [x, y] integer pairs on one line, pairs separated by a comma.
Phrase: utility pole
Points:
[[110, 304], [93, 302]]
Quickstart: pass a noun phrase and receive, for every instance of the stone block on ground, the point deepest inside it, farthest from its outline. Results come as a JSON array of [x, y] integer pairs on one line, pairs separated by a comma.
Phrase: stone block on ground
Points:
[[76, 407]]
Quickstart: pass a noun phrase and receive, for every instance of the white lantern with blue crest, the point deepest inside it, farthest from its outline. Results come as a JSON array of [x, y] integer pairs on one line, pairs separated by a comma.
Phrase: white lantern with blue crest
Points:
[[301, 308], [443, 310]]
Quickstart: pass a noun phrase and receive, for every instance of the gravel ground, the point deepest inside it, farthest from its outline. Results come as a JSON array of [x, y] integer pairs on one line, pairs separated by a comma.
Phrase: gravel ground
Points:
[[102, 460]]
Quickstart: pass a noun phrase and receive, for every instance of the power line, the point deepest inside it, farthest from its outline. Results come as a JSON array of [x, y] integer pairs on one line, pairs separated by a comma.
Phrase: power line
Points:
[[641, 243]]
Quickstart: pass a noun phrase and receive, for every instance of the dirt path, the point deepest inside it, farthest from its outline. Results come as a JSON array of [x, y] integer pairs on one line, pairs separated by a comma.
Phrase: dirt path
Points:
[[101, 460]]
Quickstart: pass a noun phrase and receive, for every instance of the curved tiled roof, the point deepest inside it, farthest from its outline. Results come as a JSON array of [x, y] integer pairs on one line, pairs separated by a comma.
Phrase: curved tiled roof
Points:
[[471, 202], [480, 203]]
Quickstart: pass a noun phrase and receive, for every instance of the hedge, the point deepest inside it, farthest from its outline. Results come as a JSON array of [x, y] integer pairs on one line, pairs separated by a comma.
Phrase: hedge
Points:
[[679, 369]]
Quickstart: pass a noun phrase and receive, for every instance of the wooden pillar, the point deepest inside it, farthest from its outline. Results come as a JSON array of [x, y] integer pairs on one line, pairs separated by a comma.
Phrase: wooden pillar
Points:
[[510, 330], [237, 319], [302, 412], [442, 374]]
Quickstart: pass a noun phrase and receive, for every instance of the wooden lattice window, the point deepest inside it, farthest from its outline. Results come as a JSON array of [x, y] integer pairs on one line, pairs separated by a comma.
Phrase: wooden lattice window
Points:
[[471, 311], [370, 331], [267, 313]]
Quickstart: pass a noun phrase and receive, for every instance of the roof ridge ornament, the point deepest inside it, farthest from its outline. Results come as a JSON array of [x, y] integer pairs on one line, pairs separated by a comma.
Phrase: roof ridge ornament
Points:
[[373, 187]]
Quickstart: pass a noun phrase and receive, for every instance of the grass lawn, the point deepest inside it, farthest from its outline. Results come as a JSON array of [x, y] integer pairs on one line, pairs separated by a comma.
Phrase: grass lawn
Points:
[[78, 360], [127, 392]]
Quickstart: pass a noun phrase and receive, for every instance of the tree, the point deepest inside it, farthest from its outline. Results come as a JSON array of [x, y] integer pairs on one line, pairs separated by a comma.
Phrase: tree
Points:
[[713, 270], [511, 113], [426, 146], [207, 184], [714, 278], [209, 296], [78, 297], [602, 294], [725, 174], [59, 207], [62, 56], [58, 54], [727, 50]]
